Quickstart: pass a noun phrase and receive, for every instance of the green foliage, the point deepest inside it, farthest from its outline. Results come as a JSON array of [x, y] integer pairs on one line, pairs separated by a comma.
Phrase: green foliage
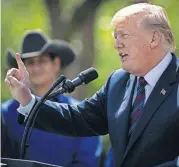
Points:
[[17, 17]]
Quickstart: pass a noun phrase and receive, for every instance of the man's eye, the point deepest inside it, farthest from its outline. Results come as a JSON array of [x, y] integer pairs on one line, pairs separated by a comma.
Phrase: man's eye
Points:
[[29, 62], [114, 35]]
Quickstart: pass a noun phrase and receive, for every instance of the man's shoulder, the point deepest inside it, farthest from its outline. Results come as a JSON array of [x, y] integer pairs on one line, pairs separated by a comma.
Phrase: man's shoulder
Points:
[[118, 75], [120, 72], [7, 104]]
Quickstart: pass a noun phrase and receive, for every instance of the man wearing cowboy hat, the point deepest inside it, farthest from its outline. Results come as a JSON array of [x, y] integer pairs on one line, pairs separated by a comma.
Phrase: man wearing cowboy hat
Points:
[[43, 59]]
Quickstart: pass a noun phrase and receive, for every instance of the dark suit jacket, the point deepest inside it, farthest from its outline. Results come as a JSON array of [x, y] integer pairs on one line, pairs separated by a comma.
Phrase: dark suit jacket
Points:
[[155, 139]]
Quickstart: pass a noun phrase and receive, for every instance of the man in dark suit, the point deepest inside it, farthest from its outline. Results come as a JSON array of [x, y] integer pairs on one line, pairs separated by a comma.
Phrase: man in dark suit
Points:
[[138, 105]]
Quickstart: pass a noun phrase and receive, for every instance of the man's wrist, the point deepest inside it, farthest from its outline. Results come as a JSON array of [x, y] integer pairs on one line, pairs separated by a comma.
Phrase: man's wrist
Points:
[[24, 110], [27, 98]]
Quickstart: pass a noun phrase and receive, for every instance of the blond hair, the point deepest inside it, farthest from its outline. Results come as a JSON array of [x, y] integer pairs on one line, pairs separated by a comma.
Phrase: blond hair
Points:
[[153, 15]]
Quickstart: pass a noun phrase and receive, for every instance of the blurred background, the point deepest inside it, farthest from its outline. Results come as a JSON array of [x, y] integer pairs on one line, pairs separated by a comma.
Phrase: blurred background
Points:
[[83, 23]]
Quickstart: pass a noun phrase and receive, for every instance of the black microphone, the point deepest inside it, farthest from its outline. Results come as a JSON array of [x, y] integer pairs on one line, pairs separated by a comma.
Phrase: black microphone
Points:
[[84, 77]]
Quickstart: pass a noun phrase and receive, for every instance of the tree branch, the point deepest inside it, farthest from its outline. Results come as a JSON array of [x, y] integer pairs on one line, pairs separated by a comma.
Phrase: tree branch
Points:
[[82, 13], [58, 25]]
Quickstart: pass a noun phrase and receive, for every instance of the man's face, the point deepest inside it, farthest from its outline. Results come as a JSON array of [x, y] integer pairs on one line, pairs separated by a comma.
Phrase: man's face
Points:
[[42, 69], [133, 45]]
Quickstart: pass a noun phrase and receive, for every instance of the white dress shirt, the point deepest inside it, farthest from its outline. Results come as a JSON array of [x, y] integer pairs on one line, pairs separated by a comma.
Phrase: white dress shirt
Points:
[[151, 77]]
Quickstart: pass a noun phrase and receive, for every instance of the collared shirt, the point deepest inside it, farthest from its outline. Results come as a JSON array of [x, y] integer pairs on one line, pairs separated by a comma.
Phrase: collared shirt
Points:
[[153, 76]]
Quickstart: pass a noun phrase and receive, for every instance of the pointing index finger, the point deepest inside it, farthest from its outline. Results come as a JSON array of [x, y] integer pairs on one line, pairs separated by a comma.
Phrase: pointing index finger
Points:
[[21, 66], [20, 63]]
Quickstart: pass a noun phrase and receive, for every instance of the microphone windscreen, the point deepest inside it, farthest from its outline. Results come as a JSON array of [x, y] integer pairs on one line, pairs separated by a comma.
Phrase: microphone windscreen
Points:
[[89, 75]]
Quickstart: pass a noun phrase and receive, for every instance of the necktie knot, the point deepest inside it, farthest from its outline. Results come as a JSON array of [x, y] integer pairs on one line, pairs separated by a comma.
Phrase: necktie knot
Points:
[[142, 81]]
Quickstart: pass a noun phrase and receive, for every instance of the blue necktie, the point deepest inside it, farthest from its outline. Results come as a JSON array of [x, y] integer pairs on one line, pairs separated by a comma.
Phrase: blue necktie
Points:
[[138, 105]]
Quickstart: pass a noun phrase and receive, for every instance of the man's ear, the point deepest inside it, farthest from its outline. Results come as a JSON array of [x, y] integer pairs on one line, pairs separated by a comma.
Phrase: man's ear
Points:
[[156, 39], [57, 63]]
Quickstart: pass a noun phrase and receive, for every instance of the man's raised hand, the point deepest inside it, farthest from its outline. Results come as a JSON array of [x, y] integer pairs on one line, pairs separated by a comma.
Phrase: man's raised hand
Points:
[[18, 82]]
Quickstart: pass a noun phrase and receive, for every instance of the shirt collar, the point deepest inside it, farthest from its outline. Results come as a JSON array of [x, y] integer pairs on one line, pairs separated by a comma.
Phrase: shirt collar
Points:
[[153, 75]]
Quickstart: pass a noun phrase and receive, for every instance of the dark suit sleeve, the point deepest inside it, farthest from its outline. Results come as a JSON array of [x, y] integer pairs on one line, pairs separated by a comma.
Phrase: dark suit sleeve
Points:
[[89, 118]]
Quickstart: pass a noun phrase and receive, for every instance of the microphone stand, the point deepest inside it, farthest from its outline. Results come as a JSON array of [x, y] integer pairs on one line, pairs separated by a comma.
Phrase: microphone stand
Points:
[[67, 86], [33, 114]]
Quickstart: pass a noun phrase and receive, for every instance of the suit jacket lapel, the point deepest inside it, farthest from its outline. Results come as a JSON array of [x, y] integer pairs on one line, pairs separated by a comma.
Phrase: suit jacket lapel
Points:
[[122, 116], [162, 89]]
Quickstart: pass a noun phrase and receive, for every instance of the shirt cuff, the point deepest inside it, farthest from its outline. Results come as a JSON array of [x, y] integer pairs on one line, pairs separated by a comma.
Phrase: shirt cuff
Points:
[[26, 109]]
